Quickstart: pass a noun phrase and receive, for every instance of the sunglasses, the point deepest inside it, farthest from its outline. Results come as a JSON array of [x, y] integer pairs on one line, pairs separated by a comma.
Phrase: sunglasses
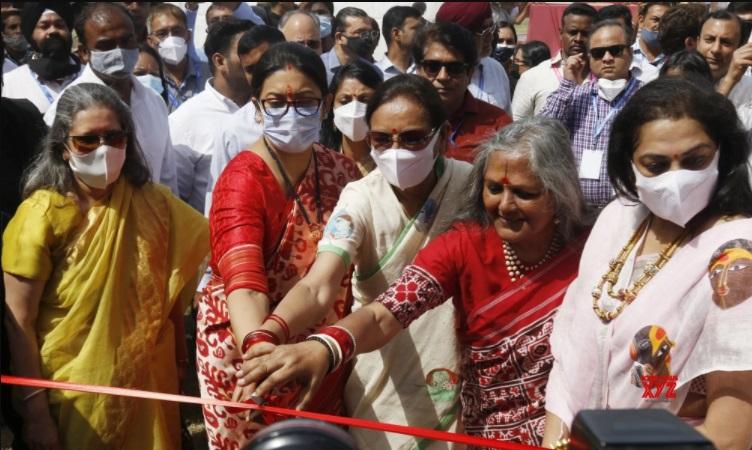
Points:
[[91, 142], [615, 51], [410, 140], [432, 68]]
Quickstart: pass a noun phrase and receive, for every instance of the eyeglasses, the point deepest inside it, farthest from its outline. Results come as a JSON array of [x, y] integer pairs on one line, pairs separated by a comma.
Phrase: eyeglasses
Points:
[[432, 67], [306, 107], [174, 31], [372, 34], [91, 142], [410, 140], [615, 51]]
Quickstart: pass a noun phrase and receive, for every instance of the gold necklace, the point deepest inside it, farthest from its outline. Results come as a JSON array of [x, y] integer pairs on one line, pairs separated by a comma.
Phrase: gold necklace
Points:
[[610, 278]]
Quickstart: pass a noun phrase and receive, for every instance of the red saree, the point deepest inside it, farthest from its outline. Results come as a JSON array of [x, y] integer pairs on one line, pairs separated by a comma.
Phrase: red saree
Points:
[[503, 326], [261, 241]]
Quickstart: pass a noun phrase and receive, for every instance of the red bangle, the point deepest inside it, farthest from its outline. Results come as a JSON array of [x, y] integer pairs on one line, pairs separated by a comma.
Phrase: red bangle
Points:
[[282, 324], [256, 336], [344, 338]]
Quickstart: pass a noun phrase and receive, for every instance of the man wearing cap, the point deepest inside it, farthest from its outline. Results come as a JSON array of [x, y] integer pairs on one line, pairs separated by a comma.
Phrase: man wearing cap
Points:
[[490, 82], [46, 25]]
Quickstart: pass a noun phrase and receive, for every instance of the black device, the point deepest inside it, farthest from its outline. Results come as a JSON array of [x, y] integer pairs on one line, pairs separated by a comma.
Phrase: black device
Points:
[[302, 434]]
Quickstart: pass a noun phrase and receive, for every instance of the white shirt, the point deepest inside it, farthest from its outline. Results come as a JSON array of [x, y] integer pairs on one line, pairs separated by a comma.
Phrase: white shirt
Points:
[[8, 65], [644, 72], [236, 133], [193, 127], [741, 97], [22, 82], [149, 114], [490, 83], [390, 70]]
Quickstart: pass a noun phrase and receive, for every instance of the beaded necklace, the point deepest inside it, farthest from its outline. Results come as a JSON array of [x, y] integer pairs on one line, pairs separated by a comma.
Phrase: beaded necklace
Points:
[[516, 269]]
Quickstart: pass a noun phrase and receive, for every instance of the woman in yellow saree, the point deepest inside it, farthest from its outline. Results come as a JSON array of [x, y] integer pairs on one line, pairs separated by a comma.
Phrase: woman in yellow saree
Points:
[[96, 262]]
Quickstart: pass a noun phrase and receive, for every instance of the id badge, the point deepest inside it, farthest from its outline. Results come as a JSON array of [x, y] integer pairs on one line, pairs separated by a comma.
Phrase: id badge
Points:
[[590, 167]]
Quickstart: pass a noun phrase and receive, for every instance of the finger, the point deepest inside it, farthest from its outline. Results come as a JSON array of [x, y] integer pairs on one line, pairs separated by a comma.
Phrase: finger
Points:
[[310, 390], [259, 373], [259, 350], [279, 377]]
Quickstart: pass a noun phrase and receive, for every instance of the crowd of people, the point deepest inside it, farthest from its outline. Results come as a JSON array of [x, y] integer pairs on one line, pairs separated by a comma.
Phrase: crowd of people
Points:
[[469, 232]]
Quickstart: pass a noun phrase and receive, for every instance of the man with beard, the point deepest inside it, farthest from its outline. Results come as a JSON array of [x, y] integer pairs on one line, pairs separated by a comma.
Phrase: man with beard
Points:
[[46, 25], [354, 37]]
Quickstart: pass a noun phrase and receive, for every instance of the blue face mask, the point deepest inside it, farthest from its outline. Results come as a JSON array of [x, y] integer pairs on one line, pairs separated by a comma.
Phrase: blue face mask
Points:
[[293, 132], [650, 38], [325, 25], [152, 82]]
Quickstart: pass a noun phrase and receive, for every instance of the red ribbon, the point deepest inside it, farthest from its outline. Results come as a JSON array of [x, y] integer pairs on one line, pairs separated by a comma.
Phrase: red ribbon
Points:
[[347, 421]]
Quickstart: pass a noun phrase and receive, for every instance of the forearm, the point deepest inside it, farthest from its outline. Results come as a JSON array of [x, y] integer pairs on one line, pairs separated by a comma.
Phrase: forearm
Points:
[[247, 309], [726, 84], [373, 326], [728, 422], [303, 307], [26, 362]]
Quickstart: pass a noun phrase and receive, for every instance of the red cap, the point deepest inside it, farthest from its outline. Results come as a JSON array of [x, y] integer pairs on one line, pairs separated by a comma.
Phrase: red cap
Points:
[[470, 15]]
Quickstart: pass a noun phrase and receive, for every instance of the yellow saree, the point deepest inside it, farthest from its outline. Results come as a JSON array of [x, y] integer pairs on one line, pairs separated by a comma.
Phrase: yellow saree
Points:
[[113, 277]]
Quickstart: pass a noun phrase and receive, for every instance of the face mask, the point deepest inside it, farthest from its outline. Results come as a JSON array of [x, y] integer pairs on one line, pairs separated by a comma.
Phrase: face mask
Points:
[[350, 119], [100, 168], [16, 43], [404, 169], [608, 90], [325, 25], [678, 195], [152, 82], [115, 63], [362, 47], [504, 52], [173, 50], [650, 38], [292, 133]]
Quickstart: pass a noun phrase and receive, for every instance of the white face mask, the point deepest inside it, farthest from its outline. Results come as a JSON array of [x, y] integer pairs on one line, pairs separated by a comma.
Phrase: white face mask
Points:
[[115, 63], [173, 50], [99, 168], [350, 119], [608, 90], [292, 133], [404, 168], [678, 195]]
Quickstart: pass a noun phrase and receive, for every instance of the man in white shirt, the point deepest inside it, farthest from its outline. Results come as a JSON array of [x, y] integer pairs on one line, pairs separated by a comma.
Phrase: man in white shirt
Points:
[[729, 58], [46, 25], [647, 47], [353, 38], [108, 48], [400, 25], [536, 84], [193, 126], [302, 27]]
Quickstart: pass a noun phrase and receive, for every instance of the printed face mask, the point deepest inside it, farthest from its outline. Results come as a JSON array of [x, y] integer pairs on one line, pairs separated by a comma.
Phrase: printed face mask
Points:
[[99, 168], [173, 50], [678, 195], [115, 63], [350, 119], [404, 168]]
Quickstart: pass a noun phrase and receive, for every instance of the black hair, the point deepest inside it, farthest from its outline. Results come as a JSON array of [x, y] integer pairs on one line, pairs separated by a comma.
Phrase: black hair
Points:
[[645, 7], [9, 13], [146, 48], [284, 54], [87, 12], [338, 24], [503, 25], [675, 98], [416, 88], [166, 9], [578, 9], [359, 70], [328, 5], [450, 35], [535, 52], [627, 30], [221, 36], [258, 35], [692, 66], [678, 24], [725, 15], [395, 18], [740, 7], [615, 12]]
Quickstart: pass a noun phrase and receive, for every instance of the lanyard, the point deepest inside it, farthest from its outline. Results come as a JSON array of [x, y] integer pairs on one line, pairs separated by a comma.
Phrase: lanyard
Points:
[[600, 125]]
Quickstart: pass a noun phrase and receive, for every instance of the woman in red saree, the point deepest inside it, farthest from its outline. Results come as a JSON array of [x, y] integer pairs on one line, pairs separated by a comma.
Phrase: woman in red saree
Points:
[[505, 264], [270, 206]]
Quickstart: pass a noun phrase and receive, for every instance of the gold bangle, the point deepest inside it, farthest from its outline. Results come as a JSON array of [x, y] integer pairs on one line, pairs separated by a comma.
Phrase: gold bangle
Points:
[[33, 394], [561, 444]]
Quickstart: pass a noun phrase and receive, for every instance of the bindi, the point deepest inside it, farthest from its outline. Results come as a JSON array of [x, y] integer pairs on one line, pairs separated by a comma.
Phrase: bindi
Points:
[[505, 180]]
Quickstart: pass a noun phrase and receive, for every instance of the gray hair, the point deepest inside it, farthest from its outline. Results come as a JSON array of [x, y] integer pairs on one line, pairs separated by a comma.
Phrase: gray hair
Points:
[[545, 144], [50, 171], [286, 16]]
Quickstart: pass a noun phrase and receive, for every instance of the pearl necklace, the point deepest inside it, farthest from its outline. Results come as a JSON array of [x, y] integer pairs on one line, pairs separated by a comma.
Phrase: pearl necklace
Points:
[[516, 269]]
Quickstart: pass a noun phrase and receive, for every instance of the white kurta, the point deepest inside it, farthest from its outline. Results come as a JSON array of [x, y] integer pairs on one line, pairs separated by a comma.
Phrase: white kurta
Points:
[[23, 83]]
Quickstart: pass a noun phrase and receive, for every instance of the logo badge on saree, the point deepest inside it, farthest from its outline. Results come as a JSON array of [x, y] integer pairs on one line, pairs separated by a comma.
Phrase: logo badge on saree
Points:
[[730, 273], [657, 387], [650, 350]]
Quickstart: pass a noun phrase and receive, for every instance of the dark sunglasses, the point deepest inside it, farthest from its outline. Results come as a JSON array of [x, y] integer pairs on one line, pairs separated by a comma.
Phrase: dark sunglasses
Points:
[[409, 140], [615, 51], [432, 68], [91, 142]]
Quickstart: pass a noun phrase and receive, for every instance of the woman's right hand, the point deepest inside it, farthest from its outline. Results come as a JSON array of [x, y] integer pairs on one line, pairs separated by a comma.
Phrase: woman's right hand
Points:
[[40, 433], [306, 362]]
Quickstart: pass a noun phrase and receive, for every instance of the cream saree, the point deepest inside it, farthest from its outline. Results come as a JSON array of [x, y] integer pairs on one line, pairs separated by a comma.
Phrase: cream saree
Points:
[[113, 277], [415, 378]]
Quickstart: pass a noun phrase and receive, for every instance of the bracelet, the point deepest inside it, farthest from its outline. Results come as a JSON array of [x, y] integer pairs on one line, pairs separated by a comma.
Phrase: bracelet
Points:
[[33, 394], [561, 444], [282, 324], [256, 336], [328, 345], [344, 339]]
